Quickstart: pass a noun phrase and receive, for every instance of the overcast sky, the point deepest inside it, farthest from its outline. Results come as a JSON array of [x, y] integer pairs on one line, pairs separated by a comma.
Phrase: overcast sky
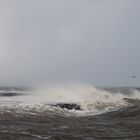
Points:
[[90, 41]]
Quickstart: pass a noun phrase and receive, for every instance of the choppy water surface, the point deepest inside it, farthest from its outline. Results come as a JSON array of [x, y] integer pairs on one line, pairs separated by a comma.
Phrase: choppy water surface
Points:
[[106, 113]]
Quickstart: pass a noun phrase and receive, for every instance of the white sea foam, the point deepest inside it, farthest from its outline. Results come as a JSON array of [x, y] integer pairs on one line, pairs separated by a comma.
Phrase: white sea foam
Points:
[[92, 100]]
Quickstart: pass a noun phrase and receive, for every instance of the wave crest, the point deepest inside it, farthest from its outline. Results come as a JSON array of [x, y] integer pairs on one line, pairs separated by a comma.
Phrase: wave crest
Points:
[[89, 99]]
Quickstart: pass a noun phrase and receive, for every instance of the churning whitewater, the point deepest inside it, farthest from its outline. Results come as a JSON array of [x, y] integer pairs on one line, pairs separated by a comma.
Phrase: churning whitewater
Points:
[[69, 99]]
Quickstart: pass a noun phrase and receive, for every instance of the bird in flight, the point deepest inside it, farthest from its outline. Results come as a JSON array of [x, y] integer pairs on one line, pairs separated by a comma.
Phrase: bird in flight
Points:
[[133, 76]]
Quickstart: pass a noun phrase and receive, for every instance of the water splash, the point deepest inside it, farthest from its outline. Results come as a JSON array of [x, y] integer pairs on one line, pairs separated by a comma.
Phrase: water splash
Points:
[[91, 100]]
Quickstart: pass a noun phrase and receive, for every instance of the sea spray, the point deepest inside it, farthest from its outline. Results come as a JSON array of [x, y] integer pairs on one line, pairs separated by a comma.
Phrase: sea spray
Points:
[[90, 99]]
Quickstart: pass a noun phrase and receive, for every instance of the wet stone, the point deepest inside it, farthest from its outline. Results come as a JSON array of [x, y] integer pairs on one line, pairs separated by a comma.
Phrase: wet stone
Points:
[[69, 106]]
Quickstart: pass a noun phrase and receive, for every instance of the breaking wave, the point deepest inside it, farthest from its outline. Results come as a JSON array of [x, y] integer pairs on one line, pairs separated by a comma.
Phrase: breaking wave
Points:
[[90, 99]]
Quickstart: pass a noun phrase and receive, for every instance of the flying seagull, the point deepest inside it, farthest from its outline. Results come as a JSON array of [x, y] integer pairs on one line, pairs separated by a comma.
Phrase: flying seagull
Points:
[[133, 76]]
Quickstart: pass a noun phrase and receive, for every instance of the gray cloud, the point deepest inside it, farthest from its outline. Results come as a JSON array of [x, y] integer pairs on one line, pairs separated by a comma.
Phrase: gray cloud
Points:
[[92, 41]]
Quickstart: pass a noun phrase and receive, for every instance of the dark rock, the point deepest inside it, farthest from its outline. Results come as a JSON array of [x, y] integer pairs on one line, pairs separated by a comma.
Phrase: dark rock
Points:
[[69, 106]]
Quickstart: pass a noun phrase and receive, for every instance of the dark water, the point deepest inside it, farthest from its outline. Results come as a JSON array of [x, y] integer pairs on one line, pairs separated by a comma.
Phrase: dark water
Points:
[[122, 124]]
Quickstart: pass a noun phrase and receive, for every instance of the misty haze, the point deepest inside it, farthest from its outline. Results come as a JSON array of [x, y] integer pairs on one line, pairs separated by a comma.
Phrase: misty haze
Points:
[[69, 69]]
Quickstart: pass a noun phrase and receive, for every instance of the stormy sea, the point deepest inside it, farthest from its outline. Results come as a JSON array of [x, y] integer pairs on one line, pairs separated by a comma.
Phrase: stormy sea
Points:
[[70, 113]]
